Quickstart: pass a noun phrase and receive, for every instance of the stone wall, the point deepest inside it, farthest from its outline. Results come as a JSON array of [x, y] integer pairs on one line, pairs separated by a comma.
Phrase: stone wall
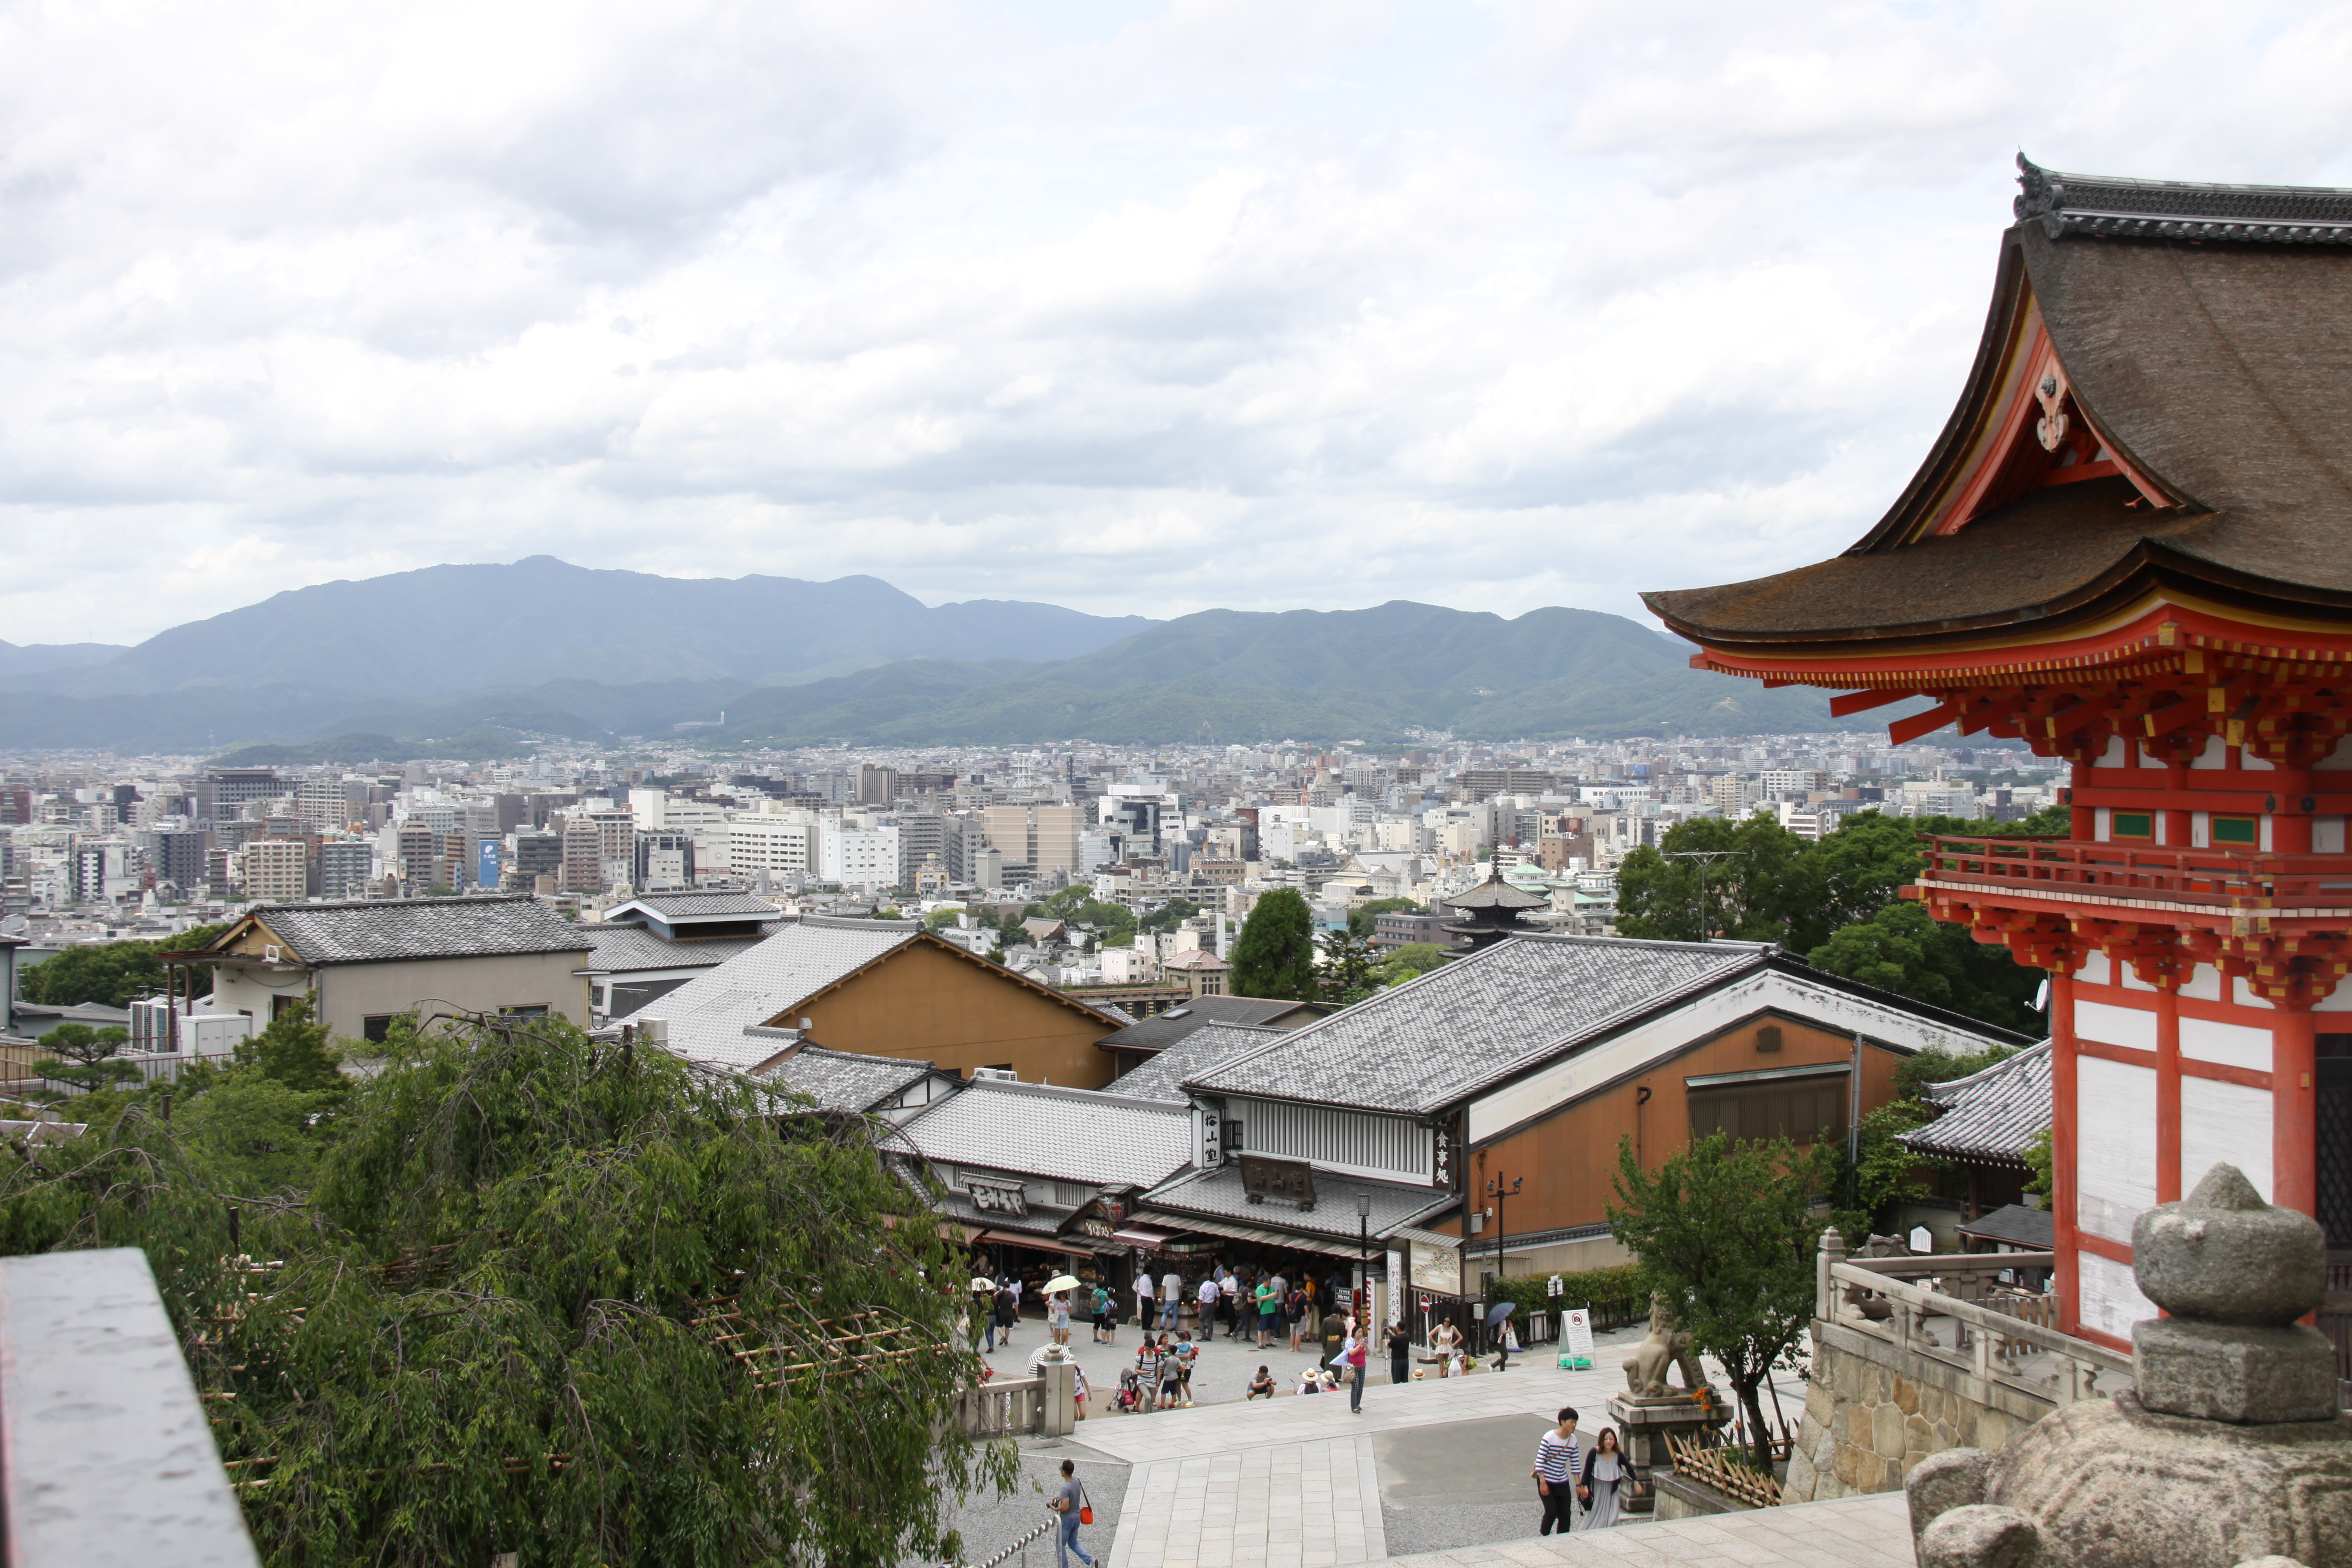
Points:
[[1875, 1410]]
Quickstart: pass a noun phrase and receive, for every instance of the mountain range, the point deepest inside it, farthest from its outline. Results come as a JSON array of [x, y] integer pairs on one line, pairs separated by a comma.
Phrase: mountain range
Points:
[[473, 661]]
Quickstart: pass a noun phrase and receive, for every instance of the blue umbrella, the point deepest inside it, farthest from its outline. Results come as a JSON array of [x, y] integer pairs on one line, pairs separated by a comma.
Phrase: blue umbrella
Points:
[[1499, 1311]]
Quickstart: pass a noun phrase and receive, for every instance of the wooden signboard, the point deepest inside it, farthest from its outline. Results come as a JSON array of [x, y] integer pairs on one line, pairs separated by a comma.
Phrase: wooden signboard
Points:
[[1264, 1178]]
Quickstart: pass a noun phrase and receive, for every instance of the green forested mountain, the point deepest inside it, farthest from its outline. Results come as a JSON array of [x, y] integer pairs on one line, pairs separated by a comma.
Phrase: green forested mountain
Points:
[[1373, 675]]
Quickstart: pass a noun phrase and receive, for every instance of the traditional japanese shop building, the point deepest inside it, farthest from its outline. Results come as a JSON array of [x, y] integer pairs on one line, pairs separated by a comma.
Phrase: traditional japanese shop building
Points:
[[2131, 548]]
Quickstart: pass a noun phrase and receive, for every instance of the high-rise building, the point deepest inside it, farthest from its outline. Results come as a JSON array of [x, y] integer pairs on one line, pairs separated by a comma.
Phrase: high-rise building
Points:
[[344, 867], [278, 870], [876, 786], [417, 857], [223, 794], [177, 855], [780, 843], [584, 855], [663, 860]]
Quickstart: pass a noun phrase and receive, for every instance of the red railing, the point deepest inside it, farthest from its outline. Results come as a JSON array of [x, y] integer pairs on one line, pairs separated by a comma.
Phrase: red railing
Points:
[[2223, 880]]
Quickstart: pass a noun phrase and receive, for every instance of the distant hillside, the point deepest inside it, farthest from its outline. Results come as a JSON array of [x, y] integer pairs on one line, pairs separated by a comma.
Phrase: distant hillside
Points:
[[465, 628], [1222, 676], [36, 658]]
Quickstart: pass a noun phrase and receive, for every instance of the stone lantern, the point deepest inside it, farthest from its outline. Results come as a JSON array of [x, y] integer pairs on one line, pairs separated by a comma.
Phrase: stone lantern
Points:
[[2230, 1453]]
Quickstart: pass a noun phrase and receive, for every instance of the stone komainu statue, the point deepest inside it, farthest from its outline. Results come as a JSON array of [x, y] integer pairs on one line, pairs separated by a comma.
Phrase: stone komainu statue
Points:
[[1645, 1369], [2230, 1453]]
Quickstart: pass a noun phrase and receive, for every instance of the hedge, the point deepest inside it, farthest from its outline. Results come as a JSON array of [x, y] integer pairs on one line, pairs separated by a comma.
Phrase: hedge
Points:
[[1616, 1294]]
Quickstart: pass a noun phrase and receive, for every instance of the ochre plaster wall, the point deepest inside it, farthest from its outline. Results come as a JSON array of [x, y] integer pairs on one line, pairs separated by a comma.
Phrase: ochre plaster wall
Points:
[[928, 1005], [1569, 1159]]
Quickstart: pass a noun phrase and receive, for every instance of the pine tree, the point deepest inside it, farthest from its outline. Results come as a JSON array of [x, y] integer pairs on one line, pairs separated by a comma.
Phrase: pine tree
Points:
[[1275, 955]]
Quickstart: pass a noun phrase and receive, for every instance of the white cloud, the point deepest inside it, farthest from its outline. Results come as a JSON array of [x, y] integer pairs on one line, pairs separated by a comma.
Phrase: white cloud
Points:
[[1141, 307]]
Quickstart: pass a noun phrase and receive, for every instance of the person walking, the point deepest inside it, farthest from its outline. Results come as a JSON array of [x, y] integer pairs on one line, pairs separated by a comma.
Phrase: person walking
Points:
[[1172, 1299], [1311, 1315], [983, 1308], [1294, 1314], [1359, 1350], [1400, 1354], [1171, 1375], [1058, 1316], [1608, 1473], [1206, 1299], [1103, 1310], [1007, 1308], [1556, 1473], [1268, 1303], [1188, 1355], [1069, 1500], [1143, 1303], [1228, 1289]]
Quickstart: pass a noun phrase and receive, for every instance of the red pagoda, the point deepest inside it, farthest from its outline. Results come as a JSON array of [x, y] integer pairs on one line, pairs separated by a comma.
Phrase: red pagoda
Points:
[[2132, 548]]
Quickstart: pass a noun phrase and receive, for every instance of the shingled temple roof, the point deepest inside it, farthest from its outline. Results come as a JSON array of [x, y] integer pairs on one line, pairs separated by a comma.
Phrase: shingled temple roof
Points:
[[2203, 334]]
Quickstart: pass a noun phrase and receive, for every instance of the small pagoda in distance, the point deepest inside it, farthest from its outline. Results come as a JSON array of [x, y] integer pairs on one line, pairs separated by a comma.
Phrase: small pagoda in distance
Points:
[[2131, 549], [1492, 910]]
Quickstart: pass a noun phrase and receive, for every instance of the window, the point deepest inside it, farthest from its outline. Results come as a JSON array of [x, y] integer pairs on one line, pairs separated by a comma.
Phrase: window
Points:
[[1070, 1194], [533, 1010], [1798, 1108], [2133, 825], [280, 1004], [2236, 832], [377, 1027]]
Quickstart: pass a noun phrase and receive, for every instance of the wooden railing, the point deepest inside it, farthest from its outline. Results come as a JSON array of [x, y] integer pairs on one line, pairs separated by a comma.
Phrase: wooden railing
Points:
[[1894, 1297], [2221, 880], [1716, 1469]]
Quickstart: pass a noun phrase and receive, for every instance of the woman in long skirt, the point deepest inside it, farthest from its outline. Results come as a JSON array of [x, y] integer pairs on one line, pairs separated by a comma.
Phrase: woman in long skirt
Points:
[[1606, 1475]]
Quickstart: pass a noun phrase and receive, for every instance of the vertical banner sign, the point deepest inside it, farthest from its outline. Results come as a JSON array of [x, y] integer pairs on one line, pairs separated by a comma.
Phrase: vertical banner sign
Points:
[[486, 868], [1576, 1337]]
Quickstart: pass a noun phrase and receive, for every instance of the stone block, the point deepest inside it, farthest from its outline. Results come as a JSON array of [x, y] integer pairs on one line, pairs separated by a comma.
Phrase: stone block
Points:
[[1848, 1469], [1905, 1395], [2211, 1372], [1890, 1478], [1886, 1431], [1917, 1435], [1821, 1403], [1797, 1486], [1931, 1401]]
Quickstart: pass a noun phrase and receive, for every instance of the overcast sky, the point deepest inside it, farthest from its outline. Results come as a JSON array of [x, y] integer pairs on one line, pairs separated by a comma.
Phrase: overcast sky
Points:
[[1136, 307]]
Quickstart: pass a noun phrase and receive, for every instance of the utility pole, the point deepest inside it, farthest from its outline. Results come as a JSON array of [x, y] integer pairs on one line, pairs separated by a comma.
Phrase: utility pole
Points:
[[1498, 1192], [1702, 858]]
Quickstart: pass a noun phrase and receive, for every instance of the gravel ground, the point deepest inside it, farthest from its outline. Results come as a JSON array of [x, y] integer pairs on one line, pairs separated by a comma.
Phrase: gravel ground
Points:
[[990, 1523]]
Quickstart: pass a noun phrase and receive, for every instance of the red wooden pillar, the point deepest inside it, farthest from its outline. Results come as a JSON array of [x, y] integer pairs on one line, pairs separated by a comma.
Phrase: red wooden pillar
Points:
[[2167, 1093], [2062, 1145], [2291, 826], [2295, 1109]]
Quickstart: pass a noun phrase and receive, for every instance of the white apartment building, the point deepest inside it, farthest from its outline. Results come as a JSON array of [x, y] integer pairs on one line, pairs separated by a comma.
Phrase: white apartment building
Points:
[[277, 869], [780, 843], [859, 858]]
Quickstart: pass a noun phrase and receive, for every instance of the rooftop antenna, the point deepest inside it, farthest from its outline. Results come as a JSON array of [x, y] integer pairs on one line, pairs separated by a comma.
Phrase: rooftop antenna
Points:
[[1703, 859]]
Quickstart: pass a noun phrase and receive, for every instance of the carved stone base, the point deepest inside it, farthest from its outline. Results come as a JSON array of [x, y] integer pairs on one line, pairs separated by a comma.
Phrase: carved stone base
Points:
[[2218, 1372]]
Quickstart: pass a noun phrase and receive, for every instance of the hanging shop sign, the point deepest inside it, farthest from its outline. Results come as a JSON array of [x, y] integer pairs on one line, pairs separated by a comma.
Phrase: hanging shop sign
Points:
[[1264, 1178], [991, 1196]]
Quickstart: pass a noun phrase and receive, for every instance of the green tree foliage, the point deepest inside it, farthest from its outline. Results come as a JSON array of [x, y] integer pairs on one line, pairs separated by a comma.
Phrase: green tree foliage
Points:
[[493, 1320], [1726, 1232], [2049, 821], [296, 1050], [1076, 905], [112, 973], [1169, 916], [1904, 950], [1350, 969], [1275, 955], [1765, 889], [81, 1057], [940, 919], [1363, 918], [1884, 1172], [2037, 1159], [1414, 958]]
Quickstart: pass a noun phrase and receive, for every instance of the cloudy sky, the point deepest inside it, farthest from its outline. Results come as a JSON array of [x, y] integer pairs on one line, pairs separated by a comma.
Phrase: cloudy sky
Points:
[[1138, 308]]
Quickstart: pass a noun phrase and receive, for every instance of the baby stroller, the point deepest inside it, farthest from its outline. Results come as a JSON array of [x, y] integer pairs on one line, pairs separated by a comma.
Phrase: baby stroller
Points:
[[1130, 1390]]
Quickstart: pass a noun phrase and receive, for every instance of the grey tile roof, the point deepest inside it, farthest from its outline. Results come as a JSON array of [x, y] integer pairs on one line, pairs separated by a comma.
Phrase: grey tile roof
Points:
[[707, 1015], [373, 930], [1990, 1115], [2032, 1229], [630, 947], [702, 906], [1218, 1195], [1042, 1130], [1162, 1078], [1160, 1032], [845, 1083], [1454, 1030]]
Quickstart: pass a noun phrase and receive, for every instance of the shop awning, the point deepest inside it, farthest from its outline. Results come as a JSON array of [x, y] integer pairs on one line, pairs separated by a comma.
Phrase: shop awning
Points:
[[1143, 1236], [1296, 1242], [1041, 1243]]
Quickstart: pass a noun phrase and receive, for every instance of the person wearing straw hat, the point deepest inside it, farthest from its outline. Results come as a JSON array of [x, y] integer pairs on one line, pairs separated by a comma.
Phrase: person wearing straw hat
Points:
[[1057, 1306]]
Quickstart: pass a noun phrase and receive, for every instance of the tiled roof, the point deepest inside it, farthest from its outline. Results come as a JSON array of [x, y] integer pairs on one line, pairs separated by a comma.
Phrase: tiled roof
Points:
[[372, 931], [1988, 1115], [840, 1081], [2032, 1229], [1218, 1195], [1162, 1078], [628, 947], [707, 1015], [700, 906], [1459, 1028], [1042, 1130], [1157, 1032]]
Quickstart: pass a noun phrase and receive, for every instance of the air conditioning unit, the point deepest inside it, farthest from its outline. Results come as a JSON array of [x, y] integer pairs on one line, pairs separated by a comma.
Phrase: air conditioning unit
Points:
[[653, 1031], [1002, 1075]]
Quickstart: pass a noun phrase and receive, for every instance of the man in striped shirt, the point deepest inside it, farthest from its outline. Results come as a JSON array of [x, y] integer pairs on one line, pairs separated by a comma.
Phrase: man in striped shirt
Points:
[[1556, 1473]]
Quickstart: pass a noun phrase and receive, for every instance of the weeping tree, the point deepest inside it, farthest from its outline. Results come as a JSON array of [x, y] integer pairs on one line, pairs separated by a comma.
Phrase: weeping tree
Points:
[[543, 1294]]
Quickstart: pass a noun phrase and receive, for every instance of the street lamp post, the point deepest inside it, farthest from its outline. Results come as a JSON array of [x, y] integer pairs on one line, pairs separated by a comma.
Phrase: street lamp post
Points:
[[1496, 1190], [1363, 1259]]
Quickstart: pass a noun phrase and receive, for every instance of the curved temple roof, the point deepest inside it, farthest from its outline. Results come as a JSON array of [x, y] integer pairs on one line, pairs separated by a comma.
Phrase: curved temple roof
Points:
[[2188, 348]]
